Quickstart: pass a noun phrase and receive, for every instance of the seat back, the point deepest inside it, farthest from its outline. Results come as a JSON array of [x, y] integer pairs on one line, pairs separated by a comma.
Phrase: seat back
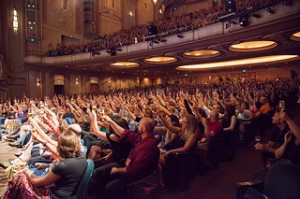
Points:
[[145, 188], [283, 181], [85, 179]]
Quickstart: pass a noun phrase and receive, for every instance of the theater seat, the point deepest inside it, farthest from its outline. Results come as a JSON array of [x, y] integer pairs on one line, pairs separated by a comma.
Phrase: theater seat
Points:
[[145, 188], [283, 181]]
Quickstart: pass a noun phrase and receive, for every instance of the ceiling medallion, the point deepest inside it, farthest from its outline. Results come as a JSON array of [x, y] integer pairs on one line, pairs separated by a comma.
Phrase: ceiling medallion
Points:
[[252, 46], [241, 62]]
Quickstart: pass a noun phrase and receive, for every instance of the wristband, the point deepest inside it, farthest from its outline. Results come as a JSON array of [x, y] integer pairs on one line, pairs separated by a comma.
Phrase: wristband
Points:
[[45, 143], [284, 144]]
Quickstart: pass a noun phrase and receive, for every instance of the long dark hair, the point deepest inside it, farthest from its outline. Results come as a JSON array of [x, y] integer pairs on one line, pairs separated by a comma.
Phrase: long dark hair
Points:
[[229, 112]]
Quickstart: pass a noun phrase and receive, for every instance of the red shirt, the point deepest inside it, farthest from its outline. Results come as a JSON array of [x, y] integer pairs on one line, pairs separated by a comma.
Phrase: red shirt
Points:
[[143, 157], [215, 127]]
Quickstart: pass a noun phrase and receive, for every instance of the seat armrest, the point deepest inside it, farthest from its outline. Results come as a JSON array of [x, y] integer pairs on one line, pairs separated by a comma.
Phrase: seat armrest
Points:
[[252, 193], [241, 187]]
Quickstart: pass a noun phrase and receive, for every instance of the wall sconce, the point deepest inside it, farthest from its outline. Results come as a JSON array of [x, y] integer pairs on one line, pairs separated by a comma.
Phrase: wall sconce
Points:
[[76, 81], [38, 83], [138, 80], [15, 20], [154, 1], [161, 11], [109, 81], [130, 14]]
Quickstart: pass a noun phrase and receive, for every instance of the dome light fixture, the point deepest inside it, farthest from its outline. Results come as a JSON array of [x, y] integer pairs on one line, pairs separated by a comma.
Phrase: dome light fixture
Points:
[[160, 60], [202, 54], [295, 36], [252, 46], [240, 62], [124, 65]]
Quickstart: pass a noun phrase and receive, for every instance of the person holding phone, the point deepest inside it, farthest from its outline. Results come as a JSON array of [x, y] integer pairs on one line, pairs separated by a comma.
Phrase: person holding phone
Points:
[[277, 139], [290, 149]]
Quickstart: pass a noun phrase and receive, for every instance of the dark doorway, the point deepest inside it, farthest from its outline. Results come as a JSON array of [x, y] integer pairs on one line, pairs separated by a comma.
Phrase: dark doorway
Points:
[[59, 89], [94, 88]]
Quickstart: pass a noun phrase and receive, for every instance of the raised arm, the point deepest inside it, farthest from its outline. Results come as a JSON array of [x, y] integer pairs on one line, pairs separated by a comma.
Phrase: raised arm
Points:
[[118, 129], [173, 129]]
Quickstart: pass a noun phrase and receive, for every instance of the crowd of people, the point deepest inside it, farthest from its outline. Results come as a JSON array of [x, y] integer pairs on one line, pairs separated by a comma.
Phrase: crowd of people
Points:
[[145, 134], [165, 26]]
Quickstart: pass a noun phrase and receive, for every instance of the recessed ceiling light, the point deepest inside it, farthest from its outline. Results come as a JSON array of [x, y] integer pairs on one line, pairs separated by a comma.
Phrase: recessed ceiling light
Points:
[[295, 36], [252, 46], [240, 62], [160, 60], [202, 54], [124, 65]]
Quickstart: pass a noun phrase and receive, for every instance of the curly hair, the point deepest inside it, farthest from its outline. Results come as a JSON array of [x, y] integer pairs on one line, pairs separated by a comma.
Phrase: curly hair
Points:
[[68, 145]]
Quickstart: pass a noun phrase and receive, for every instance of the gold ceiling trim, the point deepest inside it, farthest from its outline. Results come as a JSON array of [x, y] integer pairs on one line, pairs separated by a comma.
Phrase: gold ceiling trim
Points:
[[295, 36], [124, 65], [240, 62], [202, 54], [160, 60], [253, 46]]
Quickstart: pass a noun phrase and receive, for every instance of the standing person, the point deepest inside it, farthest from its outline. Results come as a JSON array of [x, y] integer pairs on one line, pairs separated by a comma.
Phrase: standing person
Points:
[[111, 179], [230, 132], [212, 131]]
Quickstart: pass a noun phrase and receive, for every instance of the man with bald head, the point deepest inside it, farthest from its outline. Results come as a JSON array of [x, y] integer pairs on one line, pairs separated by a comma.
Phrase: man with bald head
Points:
[[141, 162]]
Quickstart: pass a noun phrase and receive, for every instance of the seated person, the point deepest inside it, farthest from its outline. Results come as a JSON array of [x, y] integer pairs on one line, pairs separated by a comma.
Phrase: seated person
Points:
[[62, 179], [119, 150], [290, 149], [112, 179], [188, 135], [276, 140]]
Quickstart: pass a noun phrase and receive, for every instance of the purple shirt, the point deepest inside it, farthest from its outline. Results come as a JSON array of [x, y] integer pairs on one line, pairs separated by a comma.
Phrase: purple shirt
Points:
[[143, 157]]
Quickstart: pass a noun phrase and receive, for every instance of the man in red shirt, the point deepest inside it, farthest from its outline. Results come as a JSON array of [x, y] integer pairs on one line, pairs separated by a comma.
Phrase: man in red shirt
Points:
[[142, 161]]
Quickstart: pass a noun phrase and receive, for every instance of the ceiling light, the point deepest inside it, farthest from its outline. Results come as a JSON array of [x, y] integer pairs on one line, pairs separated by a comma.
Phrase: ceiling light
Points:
[[252, 46], [202, 54], [124, 65], [160, 60], [295, 36], [240, 62]]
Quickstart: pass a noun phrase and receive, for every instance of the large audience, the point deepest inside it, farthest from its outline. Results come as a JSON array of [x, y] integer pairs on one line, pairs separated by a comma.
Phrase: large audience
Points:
[[137, 133], [165, 26]]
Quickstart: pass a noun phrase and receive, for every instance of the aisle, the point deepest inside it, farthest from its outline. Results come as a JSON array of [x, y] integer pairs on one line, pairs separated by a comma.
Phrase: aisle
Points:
[[6, 155], [220, 184]]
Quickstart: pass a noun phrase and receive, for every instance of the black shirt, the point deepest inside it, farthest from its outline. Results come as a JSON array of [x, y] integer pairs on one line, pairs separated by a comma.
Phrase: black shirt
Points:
[[70, 171], [278, 135]]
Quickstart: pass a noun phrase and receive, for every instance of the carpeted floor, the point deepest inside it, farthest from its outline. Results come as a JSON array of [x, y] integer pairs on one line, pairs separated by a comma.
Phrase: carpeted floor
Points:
[[218, 184], [221, 183], [6, 155]]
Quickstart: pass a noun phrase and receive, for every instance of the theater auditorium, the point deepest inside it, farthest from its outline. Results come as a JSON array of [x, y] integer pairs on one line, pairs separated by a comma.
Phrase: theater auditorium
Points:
[[150, 99]]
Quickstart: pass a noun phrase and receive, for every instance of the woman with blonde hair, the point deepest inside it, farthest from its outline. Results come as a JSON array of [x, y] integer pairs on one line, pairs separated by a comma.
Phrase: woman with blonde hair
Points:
[[188, 133]]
